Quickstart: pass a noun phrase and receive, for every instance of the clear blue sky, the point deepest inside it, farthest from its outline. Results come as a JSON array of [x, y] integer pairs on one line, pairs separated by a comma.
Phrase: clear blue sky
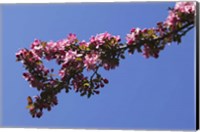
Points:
[[142, 93]]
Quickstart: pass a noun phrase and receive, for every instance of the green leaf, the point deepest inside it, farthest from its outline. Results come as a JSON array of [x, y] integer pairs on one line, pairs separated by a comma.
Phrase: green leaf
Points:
[[179, 25], [29, 106], [30, 101], [87, 49], [43, 44], [79, 59], [150, 32], [154, 36], [38, 62], [86, 84]]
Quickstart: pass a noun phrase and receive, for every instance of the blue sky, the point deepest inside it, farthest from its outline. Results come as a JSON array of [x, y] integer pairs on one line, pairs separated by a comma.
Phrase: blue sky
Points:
[[142, 93]]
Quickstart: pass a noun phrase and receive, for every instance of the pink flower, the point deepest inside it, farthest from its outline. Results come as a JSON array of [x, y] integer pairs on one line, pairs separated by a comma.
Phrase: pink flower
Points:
[[105, 35], [35, 56], [84, 44], [62, 73], [72, 38], [100, 39], [26, 76], [117, 38], [185, 7], [71, 55], [146, 51], [97, 41], [104, 38], [130, 38], [61, 44], [50, 49], [92, 39], [172, 18], [36, 45], [181, 7], [21, 54], [91, 61], [51, 46]]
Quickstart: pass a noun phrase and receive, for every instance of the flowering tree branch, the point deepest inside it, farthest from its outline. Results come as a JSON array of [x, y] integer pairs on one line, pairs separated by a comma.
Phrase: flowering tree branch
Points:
[[102, 51]]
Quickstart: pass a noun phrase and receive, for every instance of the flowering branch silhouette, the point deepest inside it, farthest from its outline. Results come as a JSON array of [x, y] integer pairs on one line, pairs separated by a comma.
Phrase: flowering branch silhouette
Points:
[[102, 51]]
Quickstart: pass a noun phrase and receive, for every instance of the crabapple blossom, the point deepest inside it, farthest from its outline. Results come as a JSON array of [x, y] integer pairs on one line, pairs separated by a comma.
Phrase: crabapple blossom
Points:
[[103, 38], [71, 55], [102, 51], [84, 44], [91, 61], [72, 38], [185, 7], [36, 45], [133, 35], [181, 10]]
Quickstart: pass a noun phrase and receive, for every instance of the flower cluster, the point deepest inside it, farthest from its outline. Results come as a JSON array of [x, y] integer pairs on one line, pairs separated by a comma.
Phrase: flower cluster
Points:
[[36, 108], [182, 12], [104, 38], [102, 51], [74, 57], [91, 61], [133, 36], [151, 41]]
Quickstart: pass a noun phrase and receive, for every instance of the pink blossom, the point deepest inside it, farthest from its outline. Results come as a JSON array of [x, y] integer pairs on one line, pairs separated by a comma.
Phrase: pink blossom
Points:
[[50, 49], [61, 44], [84, 44], [92, 39], [35, 56], [27, 76], [185, 7], [117, 38], [130, 38], [103, 50], [104, 38], [97, 41], [105, 35], [146, 51], [72, 38], [100, 39], [36, 45], [51, 46], [182, 7], [172, 18], [21, 54], [71, 55], [62, 73], [91, 61]]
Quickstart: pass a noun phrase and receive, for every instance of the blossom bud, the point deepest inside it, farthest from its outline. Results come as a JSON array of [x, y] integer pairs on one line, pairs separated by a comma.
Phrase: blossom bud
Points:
[[97, 92], [49, 108], [101, 85], [105, 81], [39, 114]]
